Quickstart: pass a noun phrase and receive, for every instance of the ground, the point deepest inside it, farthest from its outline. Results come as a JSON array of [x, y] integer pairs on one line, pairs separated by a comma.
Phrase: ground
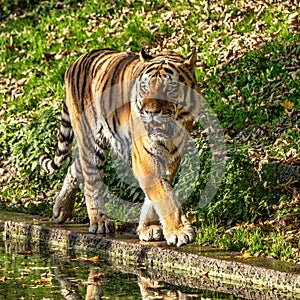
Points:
[[248, 71]]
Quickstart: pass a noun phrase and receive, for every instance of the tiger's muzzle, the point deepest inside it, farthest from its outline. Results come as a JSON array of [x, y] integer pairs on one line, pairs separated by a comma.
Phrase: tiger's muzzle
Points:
[[158, 123], [157, 116]]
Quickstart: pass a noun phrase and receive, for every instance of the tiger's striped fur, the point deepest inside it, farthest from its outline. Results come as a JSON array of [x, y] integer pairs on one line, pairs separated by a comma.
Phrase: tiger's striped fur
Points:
[[141, 106]]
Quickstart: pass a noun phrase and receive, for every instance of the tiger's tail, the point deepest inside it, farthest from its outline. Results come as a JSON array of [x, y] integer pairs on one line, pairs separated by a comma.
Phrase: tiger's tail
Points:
[[64, 145]]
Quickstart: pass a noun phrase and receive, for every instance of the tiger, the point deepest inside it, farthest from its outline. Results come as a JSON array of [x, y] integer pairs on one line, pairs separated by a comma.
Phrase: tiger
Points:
[[141, 106]]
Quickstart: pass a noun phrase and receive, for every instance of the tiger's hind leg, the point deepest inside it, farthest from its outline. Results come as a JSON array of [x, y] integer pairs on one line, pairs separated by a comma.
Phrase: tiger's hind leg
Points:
[[65, 200], [92, 157], [149, 228], [94, 190]]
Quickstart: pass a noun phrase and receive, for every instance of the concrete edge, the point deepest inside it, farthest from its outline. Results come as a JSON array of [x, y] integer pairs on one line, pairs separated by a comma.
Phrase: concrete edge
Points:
[[188, 268]]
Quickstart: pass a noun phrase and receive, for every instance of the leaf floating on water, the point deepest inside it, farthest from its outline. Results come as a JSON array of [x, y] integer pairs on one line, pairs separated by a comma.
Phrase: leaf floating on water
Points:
[[25, 263], [87, 283], [93, 259], [25, 252]]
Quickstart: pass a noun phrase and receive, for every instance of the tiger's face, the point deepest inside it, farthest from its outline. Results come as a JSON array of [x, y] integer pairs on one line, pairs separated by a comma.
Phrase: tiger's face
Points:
[[161, 95], [157, 110]]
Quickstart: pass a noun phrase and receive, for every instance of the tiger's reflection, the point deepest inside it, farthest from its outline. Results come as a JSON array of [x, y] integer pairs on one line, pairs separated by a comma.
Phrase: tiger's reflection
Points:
[[82, 278], [98, 280]]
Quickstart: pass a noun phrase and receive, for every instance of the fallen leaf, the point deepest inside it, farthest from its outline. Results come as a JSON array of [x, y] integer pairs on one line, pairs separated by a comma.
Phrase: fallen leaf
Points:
[[192, 218], [259, 254], [293, 18], [246, 255], [93, 259], [43, 281], [287, 105], [99, 277], [25, 252], [47, 275], [204, 274]]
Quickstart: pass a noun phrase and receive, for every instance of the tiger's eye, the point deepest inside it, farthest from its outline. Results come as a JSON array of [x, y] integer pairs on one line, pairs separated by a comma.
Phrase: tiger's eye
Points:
[[144, 87], [169, 88]]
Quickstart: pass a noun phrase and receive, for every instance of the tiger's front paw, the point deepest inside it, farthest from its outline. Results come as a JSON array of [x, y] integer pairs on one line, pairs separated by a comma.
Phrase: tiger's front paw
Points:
[[179, 233], [101, 224], [150, 233]]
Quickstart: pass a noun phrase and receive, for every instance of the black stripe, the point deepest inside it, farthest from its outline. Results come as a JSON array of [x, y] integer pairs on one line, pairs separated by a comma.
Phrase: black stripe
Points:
[[83, 73], [65, 108], [74, 79], [160, 143], [61, 152], [119, 73], [66, 123], [65, 138], [182, 71], [101, 58], [100, 155], [100, 167], [184, 113], [53, 165], [172, 65], [150, 153], [174, 150], [96, 182], [169, 70], [115, 123], [149, 70]]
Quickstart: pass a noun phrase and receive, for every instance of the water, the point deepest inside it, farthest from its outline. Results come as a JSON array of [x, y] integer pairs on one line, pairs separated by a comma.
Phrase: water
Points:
[[49, 275]]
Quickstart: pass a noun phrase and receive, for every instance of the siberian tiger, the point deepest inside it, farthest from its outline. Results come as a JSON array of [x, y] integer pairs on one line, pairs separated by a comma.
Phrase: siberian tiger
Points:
[[141, 106]]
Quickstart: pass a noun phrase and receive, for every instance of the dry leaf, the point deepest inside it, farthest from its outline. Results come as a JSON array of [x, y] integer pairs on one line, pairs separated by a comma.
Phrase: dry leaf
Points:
[[47, 275], [99, 276], [259, 254], [43, 281], [293, 18], [246, 255], [287, 105], [93, 259], [204, 274]]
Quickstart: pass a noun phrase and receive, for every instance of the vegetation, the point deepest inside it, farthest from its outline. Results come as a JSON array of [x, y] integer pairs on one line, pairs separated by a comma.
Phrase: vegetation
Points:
[[248, 70]]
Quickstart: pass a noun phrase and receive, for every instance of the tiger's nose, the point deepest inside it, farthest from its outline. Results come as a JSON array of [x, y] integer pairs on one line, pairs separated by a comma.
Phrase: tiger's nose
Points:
[[153, 112]]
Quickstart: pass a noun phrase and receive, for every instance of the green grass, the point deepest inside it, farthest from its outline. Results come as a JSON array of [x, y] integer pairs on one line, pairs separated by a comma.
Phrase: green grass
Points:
[[256, 240], [247, 70]]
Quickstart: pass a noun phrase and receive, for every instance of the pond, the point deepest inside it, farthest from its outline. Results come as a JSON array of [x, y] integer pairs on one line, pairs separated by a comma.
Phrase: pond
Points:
[[25, 274], [43, 260]]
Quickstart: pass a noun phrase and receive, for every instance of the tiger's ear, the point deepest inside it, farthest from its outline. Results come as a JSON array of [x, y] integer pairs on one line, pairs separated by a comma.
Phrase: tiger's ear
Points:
[[190, 59], [144, 56]]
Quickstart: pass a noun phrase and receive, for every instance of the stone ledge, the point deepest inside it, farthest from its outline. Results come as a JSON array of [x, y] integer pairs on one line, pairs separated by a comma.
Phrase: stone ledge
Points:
[[276, 171], [183, 265]]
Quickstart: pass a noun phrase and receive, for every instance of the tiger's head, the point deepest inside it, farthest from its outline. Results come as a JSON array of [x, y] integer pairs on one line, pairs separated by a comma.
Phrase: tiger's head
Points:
[[165, 92]]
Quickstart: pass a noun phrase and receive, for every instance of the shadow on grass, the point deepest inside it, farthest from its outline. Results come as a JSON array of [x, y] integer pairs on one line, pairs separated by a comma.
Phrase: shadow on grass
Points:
[[25, 7]]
